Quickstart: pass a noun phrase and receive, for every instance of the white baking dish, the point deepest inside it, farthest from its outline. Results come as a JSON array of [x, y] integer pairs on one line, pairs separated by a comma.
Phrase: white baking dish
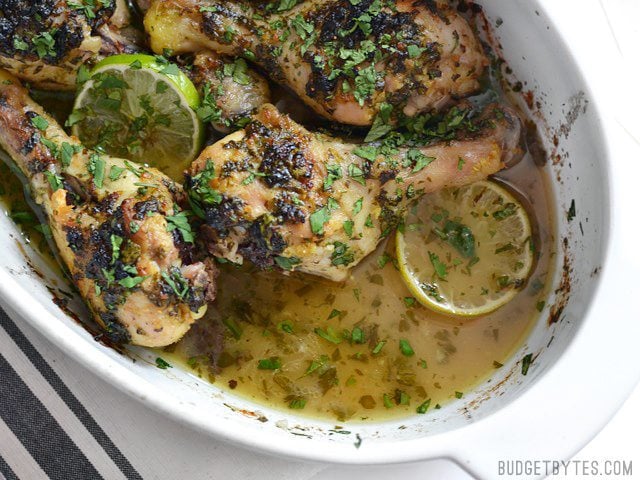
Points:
[[585, 364]]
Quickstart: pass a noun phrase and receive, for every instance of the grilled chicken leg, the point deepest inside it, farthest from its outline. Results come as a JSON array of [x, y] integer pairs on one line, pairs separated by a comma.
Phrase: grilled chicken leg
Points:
[[117, 227], [345, 58], [230, 91], [277, 194], [46, 41]]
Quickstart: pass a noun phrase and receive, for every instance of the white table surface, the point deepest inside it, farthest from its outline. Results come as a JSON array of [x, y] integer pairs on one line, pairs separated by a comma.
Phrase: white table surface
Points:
[[183, 453]]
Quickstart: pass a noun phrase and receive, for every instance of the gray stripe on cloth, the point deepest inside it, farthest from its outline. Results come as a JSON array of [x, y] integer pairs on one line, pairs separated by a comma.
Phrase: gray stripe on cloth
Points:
[[32, 423], [69, 398], [17, 457], [5, 470], [56, 406]]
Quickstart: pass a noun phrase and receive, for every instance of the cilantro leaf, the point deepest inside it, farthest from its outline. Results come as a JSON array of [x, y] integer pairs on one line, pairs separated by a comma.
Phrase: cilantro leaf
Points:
[[440, 268], [180, 221]]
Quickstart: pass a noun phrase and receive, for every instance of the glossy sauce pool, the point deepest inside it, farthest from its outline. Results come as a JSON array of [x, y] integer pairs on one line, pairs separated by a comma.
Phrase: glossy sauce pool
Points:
[[288, 340]]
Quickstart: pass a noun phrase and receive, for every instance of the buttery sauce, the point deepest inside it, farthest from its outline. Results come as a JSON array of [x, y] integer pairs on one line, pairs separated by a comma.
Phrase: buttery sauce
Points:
[[339, 351], [332, 350], [289, 341]]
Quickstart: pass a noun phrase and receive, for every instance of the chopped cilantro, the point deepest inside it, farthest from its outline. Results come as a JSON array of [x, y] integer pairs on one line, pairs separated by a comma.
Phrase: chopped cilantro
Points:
[[402, 397], [83, 75], [347, 226], [527, 360], [287, 263], [201, 194], [297, 403], [508, 210], [176, 282], [356, 173], [87, 10], [286, 326], [405, 348], [131, 282], [460, 237], [440, 268], [334, 172], [322, 216], [301, 26], [285, 5], [20, 44], [328, 334], [74, 117], [424, 406], [66, 153], [97, 167], [40, 123], [45, 44], [209, 111], [379, 346], [55, 181], [238, 71], [316, 364], [365, 84], [418, 159], [162, 364], [380, 126], [115, 172], [341, 254], [116, 243], [180, 221], [368, 152], [271, 363], [233, 326], [384, 259], [409, 301], [357, 206], [368, 222], [415, 51], [170, 69], [357, 335]]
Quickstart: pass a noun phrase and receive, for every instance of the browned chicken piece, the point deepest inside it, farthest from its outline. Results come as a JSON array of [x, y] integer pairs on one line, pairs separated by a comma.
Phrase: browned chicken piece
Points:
[[117, 227], [231, 92], [278, 195], [45, 42], [347, 59]]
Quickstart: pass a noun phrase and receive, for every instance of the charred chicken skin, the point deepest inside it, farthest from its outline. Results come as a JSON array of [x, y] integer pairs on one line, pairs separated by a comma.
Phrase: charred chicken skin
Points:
[[346, 59], [117, 227], [278, 195], [45, 42], [231, 91]]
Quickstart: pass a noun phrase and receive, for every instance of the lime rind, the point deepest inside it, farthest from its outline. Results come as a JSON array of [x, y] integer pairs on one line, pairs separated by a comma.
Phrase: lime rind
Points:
[[503, 241], [180, 79], [155, 122]]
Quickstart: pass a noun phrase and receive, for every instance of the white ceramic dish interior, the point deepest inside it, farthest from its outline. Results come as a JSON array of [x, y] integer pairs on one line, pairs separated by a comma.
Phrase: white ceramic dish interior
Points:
[[547, 414]]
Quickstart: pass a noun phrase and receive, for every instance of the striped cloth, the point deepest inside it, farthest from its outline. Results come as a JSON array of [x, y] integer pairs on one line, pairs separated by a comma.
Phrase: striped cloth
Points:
[[59, 421]]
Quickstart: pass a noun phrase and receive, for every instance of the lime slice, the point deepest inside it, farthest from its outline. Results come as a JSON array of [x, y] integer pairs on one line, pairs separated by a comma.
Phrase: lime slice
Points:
[[141, 108], [466, 251]]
